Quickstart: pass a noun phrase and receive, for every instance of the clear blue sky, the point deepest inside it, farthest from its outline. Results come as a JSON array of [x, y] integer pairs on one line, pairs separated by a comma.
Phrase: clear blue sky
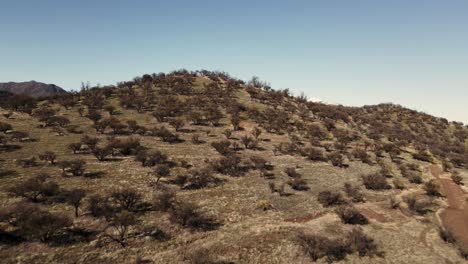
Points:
[[414, 53]]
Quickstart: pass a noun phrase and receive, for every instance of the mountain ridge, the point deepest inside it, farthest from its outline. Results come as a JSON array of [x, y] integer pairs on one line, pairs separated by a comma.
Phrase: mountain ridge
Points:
[[31, 88]]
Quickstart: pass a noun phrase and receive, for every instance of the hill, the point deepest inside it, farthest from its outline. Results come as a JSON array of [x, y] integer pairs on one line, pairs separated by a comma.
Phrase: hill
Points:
[[200, 167], [31, 88]]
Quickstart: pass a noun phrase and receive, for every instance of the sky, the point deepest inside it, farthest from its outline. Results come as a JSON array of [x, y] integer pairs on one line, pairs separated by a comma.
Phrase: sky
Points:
[[360, 52]]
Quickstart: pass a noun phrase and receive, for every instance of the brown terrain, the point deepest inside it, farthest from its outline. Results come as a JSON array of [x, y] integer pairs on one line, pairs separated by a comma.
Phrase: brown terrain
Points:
[[199, 167], [455, 216]]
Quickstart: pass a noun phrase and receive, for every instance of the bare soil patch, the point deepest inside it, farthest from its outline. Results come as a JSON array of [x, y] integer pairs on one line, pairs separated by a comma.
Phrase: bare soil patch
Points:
[[455, 216]]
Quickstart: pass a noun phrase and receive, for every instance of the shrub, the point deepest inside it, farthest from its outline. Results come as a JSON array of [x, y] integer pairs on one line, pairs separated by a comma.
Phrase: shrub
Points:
[[336, 159], [110, 108], [432, 188], [188, 215], [260, 164], [94, 115], [423, 156], [350, 215], [99, 206], [19, 136], [101, 153], [354, 193], [4, 127], [414, 177], [75, 147], [229, 165], [457, 178], [177, 123], [74, 198], [36, 188], [315, 154], [127, 199], [196, 139], [166, 135], [42, 225], [227, 133], [362, 155], [361, 243], [27, 163], [279, 190], [75, 167], [48, 156], [130, 146], [447, 236], [121, 222], [298, 184], [149, 159], [164, 200], [328, 198], [420, 206], [291, 172], [317, 246], [222, 147], [249, 142], [375, 181], [256, 132], [91, 142], [199, 178], [399, 184]]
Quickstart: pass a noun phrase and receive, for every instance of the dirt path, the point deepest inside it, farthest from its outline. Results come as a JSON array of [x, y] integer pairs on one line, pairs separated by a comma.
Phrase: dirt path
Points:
[[455, 216]]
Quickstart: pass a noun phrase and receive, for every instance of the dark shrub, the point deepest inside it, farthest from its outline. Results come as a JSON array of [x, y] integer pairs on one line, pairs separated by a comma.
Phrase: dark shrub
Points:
[[101, 153], [130, 146], [375, 181], [128, 199], [99, 206], [315, 154], [336, 159], [354, 193], [74, 198], [229, 165], [4, 127], [362, 155], [27, 163], [298, 184], [42, 225], [164, 200], [432, 188], [249, 142], [188, 215], [350, 215], [456, 178], [48, 156], [149, 159], [328, 198], [36, 188], [121, 222], [361, 243], [223, 147], [291, 172], [75, 147], [420, 206], [91, 142], [200, 178], [423, 156]]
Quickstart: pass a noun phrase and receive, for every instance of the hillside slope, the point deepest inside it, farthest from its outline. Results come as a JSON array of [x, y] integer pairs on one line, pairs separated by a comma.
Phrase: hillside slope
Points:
[[31, 88], [199, 167]]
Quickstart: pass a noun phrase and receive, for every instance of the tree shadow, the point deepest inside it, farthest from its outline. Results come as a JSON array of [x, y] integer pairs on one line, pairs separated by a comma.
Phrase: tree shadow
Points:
[[8, 173], [9, 148], [94, 174]]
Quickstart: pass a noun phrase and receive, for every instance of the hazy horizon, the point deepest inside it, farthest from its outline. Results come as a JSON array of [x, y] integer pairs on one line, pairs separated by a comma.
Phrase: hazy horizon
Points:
[[351, 53]]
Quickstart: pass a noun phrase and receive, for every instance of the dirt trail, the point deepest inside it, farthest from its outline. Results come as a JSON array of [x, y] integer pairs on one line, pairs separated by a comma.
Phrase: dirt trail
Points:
[[455, 216]]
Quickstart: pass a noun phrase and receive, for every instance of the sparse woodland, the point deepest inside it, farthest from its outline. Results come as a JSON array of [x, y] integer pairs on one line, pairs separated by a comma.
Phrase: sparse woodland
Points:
[[200, 167]]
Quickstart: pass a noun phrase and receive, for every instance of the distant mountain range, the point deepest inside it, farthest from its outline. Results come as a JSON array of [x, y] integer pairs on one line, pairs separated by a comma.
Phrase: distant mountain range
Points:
[[31, 88]]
